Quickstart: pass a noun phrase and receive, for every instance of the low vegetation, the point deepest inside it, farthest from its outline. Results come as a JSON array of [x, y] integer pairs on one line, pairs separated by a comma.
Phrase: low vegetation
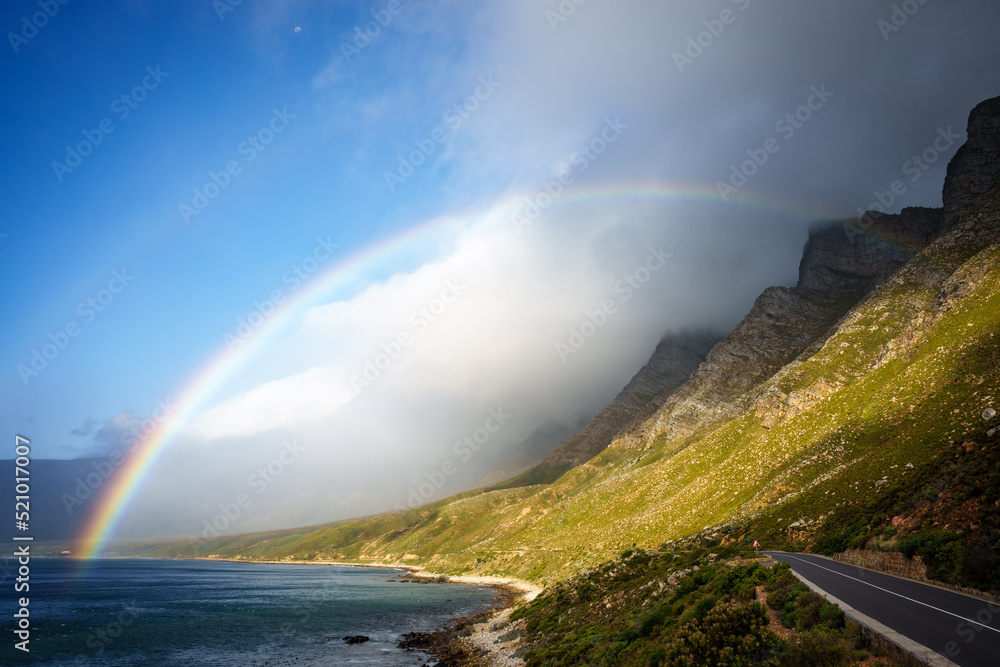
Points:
[[688, 608], [881, 438], [947, 513]]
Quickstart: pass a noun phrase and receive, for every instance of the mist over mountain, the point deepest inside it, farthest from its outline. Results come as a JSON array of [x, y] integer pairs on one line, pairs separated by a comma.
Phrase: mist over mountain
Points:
[[856, 409], [644, 307], [618, 146]]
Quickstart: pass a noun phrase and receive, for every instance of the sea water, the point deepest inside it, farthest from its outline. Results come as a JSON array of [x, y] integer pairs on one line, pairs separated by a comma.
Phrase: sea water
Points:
[[168, 612]]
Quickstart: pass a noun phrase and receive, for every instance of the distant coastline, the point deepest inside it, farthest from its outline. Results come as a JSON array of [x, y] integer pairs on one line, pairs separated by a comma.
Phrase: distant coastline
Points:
[[472, 633], [519, 586]]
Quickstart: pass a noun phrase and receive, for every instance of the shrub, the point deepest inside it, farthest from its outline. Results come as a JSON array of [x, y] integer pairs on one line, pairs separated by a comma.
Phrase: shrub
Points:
[[941, 551], [788, 616], [685, 588], [780, 575], [649, 622], [703, 607], [639, 559], [819, 648], [745, 590], [627, 636], [909, 546], [807, 607], [981, 566], [730, 634], [586, 592], [783, 590], [831, 616]]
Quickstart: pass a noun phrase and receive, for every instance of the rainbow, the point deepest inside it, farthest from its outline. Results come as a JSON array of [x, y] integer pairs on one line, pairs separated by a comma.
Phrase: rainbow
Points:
[[110, 508]]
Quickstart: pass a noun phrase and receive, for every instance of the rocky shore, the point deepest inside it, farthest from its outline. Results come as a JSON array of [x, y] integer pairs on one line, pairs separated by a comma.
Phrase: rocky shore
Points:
[[495, 641], [485, 639]]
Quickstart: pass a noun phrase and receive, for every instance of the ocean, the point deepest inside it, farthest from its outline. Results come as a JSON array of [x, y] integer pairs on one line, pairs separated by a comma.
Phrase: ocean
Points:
[[168, 612]]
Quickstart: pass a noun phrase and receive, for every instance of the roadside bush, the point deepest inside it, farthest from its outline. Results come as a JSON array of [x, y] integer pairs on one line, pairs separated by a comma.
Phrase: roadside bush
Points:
[[807, 607], [981, 567], [782, 589], [819, 648], [788, 616], [777, 572], [941, 551], [831, 616], [741, 582], [731, 634]]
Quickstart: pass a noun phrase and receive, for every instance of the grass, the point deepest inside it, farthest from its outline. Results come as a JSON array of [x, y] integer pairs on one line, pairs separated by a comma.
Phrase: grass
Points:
[[684, 607], [901, 381]]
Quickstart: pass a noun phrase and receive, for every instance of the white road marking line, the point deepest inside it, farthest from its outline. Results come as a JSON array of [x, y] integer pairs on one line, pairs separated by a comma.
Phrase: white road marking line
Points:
[[943, 611]]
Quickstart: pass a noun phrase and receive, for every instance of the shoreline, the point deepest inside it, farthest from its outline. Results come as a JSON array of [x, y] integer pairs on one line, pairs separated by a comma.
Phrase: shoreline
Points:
[[523, 588], [483, 639]]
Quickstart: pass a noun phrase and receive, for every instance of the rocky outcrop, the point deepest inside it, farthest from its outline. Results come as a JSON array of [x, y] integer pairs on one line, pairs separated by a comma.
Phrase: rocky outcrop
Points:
[[843, 261], [783, 322], [356, 639], [975, 168], [776, 407], [676, 357], [857, 254]]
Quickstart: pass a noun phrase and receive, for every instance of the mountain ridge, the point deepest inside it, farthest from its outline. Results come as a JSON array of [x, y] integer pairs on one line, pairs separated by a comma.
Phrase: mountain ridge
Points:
[[673, 361], [829, 393]]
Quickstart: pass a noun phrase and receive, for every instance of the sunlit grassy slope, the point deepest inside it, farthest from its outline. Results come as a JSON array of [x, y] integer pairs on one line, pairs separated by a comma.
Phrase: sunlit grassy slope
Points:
[[906, 374]]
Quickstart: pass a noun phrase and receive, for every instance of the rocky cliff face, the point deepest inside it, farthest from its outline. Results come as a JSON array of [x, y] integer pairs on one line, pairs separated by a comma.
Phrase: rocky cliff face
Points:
[[975, 168], [842, 262], [831, 431], [849, 255], [673, 361], [676, 357]]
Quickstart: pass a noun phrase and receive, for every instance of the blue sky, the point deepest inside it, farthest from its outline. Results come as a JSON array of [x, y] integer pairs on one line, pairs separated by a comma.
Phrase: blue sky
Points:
[[533, 92], [67, 232]]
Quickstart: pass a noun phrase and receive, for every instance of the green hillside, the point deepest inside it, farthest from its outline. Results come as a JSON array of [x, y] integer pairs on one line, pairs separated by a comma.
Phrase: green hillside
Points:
[[688, 608], [905, 376]]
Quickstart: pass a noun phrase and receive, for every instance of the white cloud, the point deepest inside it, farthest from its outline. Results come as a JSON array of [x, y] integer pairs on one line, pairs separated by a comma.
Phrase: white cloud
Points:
[[298, 399], [495, 344], [329, 75]]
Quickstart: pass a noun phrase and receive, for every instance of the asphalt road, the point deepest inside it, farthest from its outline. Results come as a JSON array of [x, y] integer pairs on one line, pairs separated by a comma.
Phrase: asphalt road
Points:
[[964, 629]]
